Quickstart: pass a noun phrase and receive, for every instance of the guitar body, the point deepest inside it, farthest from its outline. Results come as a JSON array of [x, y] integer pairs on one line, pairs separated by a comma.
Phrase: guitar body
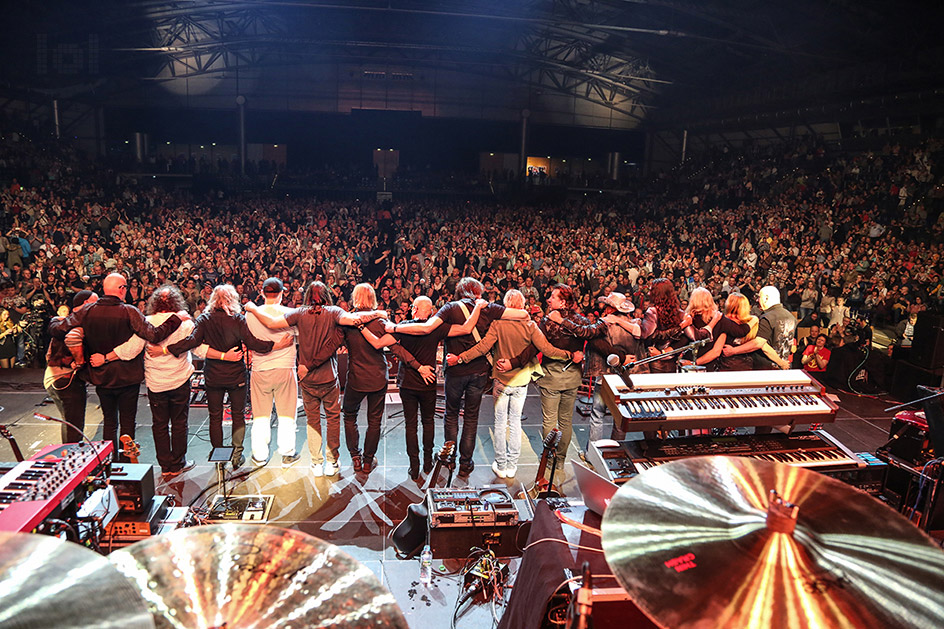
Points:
[[409, 536], [411, 533]]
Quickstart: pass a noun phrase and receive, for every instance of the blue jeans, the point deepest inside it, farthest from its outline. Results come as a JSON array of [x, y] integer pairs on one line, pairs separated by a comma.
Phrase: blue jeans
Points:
[[509, 402], [598, 417], [467, 389]]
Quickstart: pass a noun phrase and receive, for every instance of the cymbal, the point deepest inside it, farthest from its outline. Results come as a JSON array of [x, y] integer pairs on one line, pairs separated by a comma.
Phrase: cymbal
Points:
[[703, 542], [252, 576], [48, 582]]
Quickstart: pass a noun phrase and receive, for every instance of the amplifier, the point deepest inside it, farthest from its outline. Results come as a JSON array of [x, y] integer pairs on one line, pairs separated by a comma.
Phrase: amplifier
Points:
[[909, 439], [134, 483], [456, 542], [490, 505], [139, 526]]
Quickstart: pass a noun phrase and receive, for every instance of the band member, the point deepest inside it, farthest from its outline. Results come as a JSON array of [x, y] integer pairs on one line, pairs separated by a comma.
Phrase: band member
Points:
[[273, 379], [566, 330], [62, 380], [621, 338], [168, 384]]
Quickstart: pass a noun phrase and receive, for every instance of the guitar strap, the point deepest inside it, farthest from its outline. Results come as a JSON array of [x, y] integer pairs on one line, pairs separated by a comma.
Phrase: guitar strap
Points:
[[475, 331]]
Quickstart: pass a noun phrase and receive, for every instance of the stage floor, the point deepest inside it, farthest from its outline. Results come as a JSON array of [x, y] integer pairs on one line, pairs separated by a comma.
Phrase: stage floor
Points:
[[357, 512]]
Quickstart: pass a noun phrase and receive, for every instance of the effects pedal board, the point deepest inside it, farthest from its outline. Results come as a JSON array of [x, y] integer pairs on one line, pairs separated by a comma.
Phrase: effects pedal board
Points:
[[251, 509]]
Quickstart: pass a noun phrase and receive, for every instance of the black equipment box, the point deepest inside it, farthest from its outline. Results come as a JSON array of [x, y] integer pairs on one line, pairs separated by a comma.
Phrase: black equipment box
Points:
[[456, 542], [134, 484]]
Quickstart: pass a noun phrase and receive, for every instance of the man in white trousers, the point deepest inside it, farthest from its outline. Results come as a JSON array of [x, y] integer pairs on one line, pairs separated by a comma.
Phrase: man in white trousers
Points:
[[273, 380]]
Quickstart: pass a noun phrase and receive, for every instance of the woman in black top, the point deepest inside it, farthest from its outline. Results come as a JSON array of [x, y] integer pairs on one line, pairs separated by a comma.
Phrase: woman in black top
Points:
[[223, 328]]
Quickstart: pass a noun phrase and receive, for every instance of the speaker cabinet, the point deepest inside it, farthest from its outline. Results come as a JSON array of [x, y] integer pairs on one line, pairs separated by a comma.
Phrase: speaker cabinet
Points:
[[927, 349], [908, 377]]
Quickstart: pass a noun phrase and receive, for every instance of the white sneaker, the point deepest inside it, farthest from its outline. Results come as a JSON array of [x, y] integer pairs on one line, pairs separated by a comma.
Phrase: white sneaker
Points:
[[500, 473], [316, 470], [331, 469], [510, 472]]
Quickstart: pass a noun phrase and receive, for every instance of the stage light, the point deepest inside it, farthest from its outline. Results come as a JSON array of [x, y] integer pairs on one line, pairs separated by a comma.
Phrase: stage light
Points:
[[214, 144]]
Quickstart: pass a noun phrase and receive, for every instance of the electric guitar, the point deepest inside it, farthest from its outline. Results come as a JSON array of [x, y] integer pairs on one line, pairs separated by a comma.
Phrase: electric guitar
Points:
[[130, 448], [543, 488], [409, 536], [6, 434]]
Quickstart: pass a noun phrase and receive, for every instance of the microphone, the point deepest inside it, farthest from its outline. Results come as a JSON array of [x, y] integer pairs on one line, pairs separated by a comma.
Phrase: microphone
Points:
[[614, 362]]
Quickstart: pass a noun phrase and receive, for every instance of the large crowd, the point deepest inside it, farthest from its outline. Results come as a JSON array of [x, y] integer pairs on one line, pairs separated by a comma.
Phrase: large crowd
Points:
[[837, 233]]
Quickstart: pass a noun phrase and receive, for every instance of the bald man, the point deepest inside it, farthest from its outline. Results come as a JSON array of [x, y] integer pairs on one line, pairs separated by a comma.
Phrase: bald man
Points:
[[108, 323]]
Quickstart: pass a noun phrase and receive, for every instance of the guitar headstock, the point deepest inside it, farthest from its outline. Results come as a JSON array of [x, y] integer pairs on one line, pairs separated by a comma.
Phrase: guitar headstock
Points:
[[130, 448], [5, 432], [447, 451]]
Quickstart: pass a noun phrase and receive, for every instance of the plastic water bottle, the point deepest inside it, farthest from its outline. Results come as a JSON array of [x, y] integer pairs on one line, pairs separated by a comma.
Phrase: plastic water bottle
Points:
[[426, 566]]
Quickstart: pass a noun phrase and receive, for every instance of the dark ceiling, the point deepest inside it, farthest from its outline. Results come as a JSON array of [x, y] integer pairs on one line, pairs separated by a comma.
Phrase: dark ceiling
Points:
[[655, 60]]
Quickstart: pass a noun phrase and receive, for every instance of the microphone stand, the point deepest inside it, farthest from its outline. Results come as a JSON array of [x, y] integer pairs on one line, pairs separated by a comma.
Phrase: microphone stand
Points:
[[651, 359], [919, 400]]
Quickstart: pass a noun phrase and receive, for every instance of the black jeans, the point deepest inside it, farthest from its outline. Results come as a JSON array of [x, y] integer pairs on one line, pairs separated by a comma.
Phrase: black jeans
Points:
[[375, 409], [471, 388], [169, 411], [119, 406], [424, 402], [70, 400], [237, 407]]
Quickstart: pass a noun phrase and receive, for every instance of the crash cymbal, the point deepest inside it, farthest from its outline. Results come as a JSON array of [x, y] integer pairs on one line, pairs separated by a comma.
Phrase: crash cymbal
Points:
[[48, 582], [703, 542], [252, 576]]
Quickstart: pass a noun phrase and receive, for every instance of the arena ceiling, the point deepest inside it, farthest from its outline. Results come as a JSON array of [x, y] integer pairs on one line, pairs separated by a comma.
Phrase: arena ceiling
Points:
[[617, 63]]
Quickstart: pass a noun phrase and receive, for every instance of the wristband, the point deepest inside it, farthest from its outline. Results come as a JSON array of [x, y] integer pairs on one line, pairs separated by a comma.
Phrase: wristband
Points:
[[223, 356], [165, 350]]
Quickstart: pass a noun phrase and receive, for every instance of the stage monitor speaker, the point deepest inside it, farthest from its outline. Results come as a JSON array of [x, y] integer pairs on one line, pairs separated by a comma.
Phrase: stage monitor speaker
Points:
[[908, 377], [927, 349]]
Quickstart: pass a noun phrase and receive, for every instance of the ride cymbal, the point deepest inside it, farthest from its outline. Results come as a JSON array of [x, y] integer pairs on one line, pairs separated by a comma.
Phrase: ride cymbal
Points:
[[252, 576], [737, 542], [48, 582]]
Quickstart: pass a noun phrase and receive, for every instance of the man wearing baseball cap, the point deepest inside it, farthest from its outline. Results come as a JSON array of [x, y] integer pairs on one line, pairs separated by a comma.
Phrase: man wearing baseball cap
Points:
[[273, 380]]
